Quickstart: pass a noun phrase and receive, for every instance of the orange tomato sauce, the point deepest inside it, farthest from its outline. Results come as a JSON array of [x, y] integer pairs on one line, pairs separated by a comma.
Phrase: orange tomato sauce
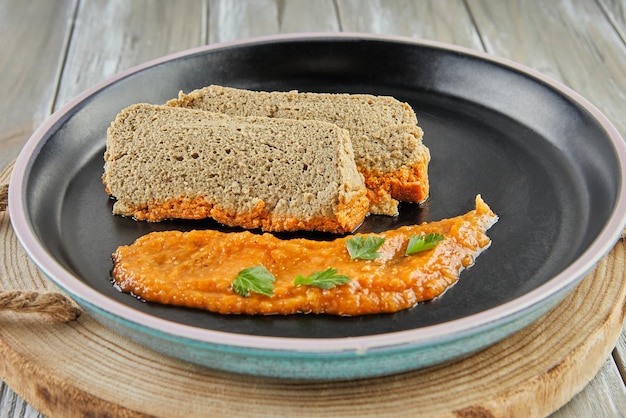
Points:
[[197, 268]]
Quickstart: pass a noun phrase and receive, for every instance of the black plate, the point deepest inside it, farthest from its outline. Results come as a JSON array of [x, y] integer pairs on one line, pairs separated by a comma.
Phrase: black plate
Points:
[[543, 163]]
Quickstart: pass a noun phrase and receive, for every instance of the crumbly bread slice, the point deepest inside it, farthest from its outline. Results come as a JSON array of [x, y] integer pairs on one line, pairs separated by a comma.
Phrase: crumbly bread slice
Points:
[[386, 139], [275, 174]]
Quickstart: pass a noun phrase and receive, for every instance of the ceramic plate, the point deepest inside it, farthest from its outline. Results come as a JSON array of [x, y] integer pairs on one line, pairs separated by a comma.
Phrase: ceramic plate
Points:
[[546, 161]]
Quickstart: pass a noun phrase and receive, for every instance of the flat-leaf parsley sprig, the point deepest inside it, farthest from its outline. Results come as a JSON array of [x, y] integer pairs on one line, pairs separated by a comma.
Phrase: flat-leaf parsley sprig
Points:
[[419, 243], [255, 279], [364, 248], [326, 279]]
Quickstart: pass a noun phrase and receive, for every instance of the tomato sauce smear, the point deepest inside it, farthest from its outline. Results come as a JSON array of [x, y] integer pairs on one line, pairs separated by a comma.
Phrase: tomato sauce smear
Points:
[[196, 269]]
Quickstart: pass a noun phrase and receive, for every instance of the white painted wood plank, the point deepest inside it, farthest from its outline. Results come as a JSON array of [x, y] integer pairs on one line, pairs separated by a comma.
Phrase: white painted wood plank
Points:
[[33, 38], [441, 20], [111, 36], [616, 13], [230, 20], [380, 18], [233, 20], [12, 406], [568, 40], [308, 16], [108, 37], [603, 397], [32, 42], [571, 41], [619, 354]]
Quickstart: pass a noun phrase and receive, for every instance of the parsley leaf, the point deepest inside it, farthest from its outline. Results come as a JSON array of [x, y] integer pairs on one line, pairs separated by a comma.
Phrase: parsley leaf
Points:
[[324, 279], [255, 279], [418, 243], [364, 248]]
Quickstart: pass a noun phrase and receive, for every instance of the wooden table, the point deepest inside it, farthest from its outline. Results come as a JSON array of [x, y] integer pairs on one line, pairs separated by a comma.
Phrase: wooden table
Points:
[[50, 51]]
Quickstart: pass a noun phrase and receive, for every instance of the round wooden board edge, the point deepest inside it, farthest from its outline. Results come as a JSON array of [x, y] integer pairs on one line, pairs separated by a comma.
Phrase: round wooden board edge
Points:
[[559, 382]]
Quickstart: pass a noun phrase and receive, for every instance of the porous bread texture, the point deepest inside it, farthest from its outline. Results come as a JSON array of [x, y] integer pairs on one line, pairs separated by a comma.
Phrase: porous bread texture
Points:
[[275, 174], [386, 139]]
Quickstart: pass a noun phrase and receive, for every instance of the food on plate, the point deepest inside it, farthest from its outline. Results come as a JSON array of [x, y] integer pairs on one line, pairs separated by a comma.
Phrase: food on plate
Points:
[[386, 139], [166, 162], [246, 273]]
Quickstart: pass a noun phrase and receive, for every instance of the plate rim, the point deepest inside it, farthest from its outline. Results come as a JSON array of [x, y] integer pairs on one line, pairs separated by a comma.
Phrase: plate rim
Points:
[[428, 335]]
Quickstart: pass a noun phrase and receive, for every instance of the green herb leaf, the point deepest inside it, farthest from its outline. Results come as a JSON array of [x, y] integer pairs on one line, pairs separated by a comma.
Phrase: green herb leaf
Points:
[[255, 279], [364, 248], [325, 279], [418, 243]]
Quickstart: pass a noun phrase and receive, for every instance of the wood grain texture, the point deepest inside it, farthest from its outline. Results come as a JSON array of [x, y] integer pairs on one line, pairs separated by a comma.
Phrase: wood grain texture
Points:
[[232, 20], [599, 399], [12, 406], [576, 45], [29, 66], [441, 20], [580, 47], [108, 37], [33, 33], [619, 355], [308, 16], [111, 36], [532, 373], [616, 13]]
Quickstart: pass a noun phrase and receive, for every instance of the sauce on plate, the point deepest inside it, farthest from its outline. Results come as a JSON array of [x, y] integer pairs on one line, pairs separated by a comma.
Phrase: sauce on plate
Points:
[[196, 269]]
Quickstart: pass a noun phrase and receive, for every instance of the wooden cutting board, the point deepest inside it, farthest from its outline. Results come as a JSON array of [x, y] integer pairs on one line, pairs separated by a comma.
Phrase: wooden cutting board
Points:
[[80, 368]]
